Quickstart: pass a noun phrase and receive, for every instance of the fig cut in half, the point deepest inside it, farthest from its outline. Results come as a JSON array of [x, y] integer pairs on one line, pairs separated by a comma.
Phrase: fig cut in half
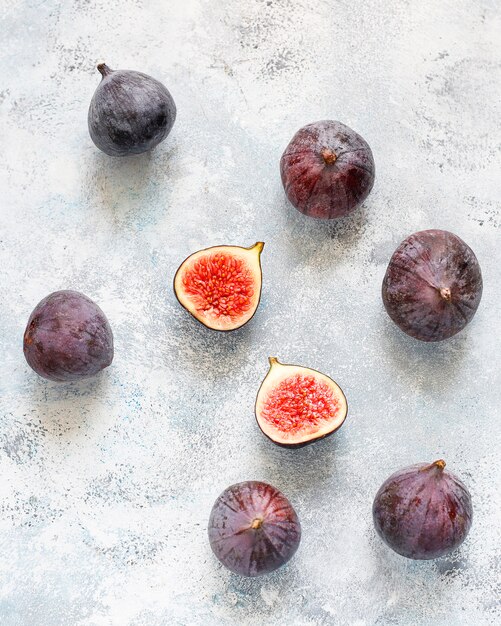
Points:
[[221, 286], [296, 405]]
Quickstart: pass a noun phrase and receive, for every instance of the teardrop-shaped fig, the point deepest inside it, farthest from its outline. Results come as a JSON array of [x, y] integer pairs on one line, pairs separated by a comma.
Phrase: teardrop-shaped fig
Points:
[[253, 529], [423, 511], [433, 285], [327, 170], [221, 286], [130, 112], [296, 405], [68, 337]]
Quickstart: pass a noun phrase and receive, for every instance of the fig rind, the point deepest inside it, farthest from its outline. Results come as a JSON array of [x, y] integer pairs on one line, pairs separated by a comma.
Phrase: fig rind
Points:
[[253, 529], [278, 373], [251, 261], [423, 511], [432, 286], [327, 170], [130, 112], [67, 337]]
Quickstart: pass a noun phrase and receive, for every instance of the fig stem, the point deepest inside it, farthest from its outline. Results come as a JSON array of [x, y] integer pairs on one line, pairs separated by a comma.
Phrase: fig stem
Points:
[[256, 523], [272, 360], [445, 292], [103, 69], [440, 464], [259, 245], [329, 156]]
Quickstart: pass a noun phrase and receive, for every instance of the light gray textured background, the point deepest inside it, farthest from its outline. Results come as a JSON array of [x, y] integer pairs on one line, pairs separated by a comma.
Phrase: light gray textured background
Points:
[[106, 486]]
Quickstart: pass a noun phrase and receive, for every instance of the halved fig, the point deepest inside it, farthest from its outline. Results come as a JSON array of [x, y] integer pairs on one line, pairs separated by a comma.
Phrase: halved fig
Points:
[[296, 405], [221, 286]]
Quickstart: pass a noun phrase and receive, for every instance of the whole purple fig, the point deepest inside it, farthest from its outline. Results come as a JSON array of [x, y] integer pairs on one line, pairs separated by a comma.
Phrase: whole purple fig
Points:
[[433, 285], [130, 112], [327, 170], [253, 528], [68, 337], [422, 511]]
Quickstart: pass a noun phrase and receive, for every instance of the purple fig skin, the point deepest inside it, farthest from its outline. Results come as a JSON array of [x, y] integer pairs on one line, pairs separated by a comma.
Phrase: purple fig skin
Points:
[[433, 285], [68, 337], [253, 529], [422, 511], [130, 112], [327, 170]]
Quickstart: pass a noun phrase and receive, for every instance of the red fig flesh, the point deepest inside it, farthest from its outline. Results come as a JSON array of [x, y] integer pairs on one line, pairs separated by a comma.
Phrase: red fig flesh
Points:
[[433, 285], [253, 528], [423, 511], [296, 405], [221, 286]]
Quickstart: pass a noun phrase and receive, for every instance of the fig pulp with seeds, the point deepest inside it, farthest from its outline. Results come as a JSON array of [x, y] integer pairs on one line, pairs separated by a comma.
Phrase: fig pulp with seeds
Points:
[[433, 285], [253, 528], [296, 405], [130, 112], [68, 337], [221, 286], [327, 170], [423, 511]]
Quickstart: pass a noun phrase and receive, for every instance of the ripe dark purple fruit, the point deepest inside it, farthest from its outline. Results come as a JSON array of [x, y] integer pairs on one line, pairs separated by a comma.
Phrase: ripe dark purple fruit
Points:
[[130, 112], [433, 285], [253, 528], [422, 511], [327, 170], [68, 337]]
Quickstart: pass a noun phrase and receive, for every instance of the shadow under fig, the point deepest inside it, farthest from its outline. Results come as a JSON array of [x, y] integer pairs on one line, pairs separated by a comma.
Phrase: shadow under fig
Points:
[[121, 171], [297, 471], [213, 353], [436, 364], [248, 591], [335, 238], [123, 184], [65, 406]]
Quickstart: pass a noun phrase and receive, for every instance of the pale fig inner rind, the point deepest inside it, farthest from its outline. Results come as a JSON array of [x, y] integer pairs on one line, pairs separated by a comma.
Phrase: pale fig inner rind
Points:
[[308, 432], [249, 278]]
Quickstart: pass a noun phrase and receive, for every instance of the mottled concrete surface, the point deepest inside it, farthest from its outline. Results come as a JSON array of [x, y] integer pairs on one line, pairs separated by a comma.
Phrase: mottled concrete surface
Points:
[[106, 486]]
